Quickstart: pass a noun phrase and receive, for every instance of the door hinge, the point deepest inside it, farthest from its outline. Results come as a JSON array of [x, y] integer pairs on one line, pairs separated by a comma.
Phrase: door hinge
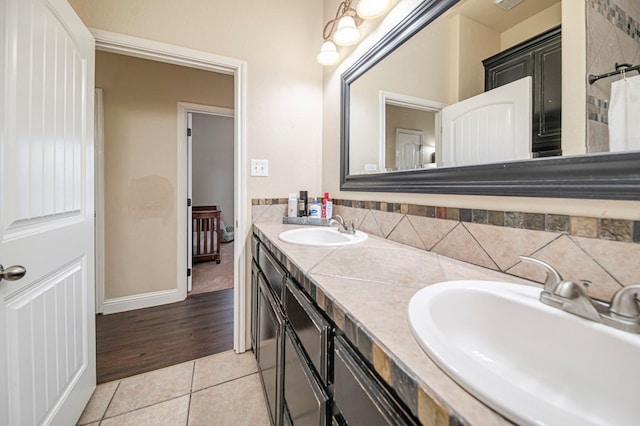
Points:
[[188, 272], [188, 202], [188, 132]]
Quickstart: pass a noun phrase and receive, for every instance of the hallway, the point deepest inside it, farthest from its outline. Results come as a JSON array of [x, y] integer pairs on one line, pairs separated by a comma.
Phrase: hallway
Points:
[[143, 340]]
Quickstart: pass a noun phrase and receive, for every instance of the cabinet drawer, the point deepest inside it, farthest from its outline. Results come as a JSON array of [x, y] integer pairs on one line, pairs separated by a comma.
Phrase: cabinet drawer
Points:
[[311, 328], [358, 394], [305, 399], [272, 270]]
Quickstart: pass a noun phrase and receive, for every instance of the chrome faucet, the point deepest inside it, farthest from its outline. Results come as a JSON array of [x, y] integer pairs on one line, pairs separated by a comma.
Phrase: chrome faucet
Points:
[[623, 312], [342, 226]]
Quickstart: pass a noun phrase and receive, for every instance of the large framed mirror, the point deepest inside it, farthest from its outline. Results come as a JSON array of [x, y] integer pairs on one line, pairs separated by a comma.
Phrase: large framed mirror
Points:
[[407, 157]]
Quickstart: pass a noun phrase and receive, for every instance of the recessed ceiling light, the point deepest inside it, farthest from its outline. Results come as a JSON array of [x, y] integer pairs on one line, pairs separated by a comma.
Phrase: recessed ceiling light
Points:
[[507, 4]]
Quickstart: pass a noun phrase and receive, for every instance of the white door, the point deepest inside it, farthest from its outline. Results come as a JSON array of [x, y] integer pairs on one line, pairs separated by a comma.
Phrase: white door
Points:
[[47, 322], [408, 145], [492, 127], [190, 202]]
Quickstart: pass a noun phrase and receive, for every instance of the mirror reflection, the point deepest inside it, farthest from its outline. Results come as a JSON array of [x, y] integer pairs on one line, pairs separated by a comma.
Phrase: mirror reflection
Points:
[[459, 74]]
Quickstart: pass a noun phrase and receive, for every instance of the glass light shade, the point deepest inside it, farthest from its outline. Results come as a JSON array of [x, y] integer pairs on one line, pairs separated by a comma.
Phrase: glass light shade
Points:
[[328, 54], [370, 9], [347, 33]]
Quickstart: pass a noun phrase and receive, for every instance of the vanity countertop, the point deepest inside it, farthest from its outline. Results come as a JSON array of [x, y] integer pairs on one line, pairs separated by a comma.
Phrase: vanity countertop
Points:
[[366, 289]]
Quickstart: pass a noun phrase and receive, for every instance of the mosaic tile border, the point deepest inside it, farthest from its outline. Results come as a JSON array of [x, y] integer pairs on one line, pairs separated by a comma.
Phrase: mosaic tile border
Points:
[[610, 229], [617, 16], [597, 109], [425, 406]]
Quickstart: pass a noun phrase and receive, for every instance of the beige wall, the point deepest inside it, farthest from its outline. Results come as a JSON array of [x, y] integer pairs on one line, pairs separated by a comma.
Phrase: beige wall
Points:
[[140, 157], [573, 122], [476, 42], [278, 40], [422, 79], [212, 164], [540, 22]]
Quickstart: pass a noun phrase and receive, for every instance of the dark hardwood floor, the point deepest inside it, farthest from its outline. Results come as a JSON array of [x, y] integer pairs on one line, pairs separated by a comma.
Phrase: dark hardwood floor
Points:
[[135, 342]]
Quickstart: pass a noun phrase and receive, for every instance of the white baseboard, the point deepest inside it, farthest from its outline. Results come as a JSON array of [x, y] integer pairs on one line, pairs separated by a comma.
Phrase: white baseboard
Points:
[[140, 301]]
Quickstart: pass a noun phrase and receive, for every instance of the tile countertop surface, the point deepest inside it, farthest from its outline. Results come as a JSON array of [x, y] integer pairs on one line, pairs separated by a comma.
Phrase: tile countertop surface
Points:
[[371, 284]]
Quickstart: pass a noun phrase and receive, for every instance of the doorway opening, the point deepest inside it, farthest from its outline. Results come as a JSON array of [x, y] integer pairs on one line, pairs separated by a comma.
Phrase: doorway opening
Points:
[[210, 187], [146, 49], [171, 307]]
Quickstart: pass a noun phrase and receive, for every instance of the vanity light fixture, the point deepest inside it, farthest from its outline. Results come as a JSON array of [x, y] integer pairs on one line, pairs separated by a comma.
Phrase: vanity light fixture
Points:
[[343, 29]]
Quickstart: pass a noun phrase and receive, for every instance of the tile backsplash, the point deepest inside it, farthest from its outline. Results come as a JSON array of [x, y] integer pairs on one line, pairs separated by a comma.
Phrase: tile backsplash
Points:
[[602, 251], [613, 37]]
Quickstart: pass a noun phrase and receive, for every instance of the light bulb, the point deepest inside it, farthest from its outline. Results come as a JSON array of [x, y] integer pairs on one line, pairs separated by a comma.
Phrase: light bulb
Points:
[[347, 33], [370, 9], [328, 54]]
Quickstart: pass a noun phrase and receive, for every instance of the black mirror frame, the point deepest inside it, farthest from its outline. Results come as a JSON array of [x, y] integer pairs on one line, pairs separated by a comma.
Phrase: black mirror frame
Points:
[[614, 176]]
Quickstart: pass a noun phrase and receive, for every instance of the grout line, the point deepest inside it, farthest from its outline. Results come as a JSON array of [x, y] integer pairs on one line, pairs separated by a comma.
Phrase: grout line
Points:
[[228, 381], [146, 406], [104, 415], [193, 376], [189, 408], [498, 268], [594, 260]]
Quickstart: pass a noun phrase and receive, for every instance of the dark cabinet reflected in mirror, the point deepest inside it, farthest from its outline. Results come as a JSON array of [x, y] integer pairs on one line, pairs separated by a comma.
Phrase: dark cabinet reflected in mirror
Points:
[[381, 152], [541, 58]]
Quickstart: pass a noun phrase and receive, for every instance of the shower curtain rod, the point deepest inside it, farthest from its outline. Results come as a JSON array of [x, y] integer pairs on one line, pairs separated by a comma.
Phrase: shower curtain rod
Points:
[[620, 68]]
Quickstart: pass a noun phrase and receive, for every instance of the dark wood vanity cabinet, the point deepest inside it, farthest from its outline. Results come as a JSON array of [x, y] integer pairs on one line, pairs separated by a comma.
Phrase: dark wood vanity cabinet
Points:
[[540, 58], [359, 396], [307, 379]]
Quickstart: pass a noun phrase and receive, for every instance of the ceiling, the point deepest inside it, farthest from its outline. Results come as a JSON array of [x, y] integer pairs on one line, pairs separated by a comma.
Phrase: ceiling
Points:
[[492, 16]]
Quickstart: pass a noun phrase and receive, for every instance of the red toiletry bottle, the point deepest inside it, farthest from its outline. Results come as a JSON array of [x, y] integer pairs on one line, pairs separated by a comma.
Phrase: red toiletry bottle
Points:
[[324, 205]]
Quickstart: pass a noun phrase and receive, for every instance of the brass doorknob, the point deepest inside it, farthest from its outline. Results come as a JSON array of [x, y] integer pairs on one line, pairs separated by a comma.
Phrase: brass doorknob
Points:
[[12, 273]]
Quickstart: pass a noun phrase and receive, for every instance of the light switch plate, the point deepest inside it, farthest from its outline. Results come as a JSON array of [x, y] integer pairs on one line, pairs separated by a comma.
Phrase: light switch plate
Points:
[[259, 167]]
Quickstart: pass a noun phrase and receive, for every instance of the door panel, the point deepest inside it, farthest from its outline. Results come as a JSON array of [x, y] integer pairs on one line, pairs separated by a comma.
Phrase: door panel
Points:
[[47, 372], [494, 126], [50, 356]]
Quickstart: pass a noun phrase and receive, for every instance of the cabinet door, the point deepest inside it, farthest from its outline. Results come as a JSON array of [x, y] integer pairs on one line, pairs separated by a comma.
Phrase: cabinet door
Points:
[[255, 246], [304, 396], [311, 328], [359, 396], [255, 272], [270, 329], [508, 71], [547, 110]]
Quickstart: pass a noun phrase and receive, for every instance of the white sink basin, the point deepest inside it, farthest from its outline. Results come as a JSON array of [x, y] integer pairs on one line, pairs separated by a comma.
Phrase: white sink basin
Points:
[[532, 363], [321, 237]]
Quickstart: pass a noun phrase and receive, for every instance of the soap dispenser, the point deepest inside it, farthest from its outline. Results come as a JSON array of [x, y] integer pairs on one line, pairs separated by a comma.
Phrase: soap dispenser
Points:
[[314, 210]]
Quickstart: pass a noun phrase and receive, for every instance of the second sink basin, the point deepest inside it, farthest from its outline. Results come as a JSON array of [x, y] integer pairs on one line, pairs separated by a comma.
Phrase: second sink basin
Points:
[[321, 237], [532, 363]]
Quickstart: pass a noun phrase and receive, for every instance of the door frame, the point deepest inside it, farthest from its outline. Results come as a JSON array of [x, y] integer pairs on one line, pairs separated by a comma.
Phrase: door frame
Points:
[[185, 108], [147, 49]]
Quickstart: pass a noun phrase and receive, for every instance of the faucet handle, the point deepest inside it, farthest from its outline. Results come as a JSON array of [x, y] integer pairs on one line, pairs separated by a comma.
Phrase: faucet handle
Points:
[[625, 302], [338, 219], [553, 277]]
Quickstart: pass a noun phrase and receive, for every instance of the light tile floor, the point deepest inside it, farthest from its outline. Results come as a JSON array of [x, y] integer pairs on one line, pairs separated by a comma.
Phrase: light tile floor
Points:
[[222, 389]]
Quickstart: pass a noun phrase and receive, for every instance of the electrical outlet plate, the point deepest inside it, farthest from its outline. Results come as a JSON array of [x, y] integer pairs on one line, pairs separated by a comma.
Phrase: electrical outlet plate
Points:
[[259, 167]]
